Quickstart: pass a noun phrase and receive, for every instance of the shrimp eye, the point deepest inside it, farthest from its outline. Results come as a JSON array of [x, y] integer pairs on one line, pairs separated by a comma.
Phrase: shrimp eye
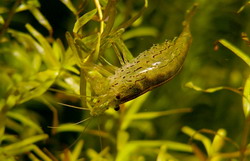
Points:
[[118, 96], [117, 108]]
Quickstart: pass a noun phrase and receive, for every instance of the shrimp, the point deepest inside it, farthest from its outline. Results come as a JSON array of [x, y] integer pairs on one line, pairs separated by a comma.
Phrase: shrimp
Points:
[[148, 70]]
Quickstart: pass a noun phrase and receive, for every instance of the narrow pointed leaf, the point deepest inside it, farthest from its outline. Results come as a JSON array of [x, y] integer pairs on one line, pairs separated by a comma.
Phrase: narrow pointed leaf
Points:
[[236, 51], [83, 20]]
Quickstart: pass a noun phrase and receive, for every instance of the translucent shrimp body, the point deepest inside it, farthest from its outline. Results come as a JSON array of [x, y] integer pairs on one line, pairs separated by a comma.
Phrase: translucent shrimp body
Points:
[[147, 71]]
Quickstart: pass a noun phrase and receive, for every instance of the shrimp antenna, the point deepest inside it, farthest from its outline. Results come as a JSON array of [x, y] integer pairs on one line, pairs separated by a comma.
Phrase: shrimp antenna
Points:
[[99, 130], [78, 138], [83, 132], [70, 94], [76, 107], [76, 123], [82, 120]]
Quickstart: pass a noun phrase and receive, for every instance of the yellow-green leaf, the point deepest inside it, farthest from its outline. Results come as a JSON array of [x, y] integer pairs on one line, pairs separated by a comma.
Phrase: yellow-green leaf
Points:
[[83, 20], [25, 120], [236, 51], [211, 90], [152, 115], [70, 6], [41, 19], [141, 31], [246, 98]]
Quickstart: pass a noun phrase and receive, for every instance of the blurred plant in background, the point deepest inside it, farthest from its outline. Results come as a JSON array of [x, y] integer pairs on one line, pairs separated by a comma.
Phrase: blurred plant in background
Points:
[[35, 125]]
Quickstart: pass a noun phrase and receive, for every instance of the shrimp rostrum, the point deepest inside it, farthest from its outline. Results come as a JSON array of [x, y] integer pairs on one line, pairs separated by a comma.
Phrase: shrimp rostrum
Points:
[[136, 76]]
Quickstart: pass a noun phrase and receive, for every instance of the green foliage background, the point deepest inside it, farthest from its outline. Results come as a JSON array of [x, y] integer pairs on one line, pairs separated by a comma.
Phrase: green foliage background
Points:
[[28, 109]]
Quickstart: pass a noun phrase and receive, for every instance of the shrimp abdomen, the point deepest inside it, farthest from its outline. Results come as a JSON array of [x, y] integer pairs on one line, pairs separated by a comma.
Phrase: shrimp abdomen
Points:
[[153, 67]]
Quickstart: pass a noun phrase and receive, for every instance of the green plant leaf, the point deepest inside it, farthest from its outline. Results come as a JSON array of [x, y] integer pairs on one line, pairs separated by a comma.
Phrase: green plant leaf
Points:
[[70, 6], [246, 98], [137, 146], [212, 90], [195, 135], [133, 107], [152, 115], [243, 7], [134, 18], [141, 31], [83, 20], [23, 143], [25, 120], [41, 19], [36, 87], [47, 51], [236, 51], [77, 151], [218, 141]]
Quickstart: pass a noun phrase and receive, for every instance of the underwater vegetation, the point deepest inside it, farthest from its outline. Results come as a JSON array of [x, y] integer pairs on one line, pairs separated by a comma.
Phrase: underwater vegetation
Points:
[[78, 80]]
